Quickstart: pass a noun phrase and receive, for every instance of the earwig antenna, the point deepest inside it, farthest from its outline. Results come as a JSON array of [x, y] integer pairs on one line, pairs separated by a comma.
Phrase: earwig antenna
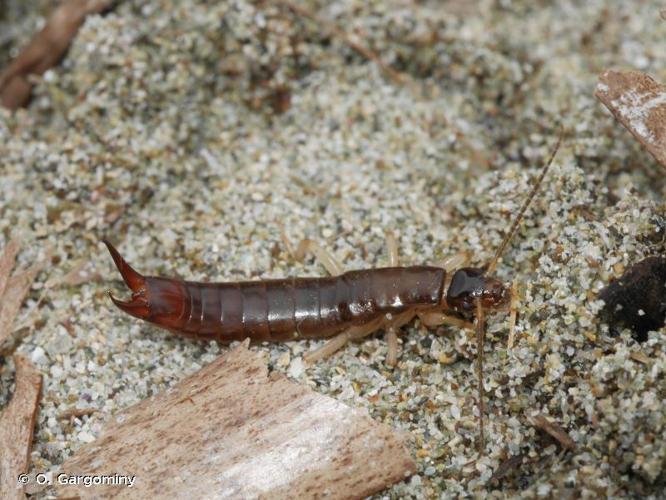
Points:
[[480, 337], [526, 204]]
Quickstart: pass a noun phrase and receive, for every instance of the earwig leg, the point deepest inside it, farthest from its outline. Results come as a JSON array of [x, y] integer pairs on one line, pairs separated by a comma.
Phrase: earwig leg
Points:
[[392, 343], [358, 332], [480, 338], [455, 261], [327, 349], [430, 319], [331, 264], [513, 313], [285, 240], [392, 326], [337, 342], [392, 247]]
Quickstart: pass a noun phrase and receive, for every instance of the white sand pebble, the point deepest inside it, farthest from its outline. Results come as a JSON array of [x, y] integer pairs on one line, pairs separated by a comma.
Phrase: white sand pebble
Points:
[[38, 356], [86, 437], [296, 368]]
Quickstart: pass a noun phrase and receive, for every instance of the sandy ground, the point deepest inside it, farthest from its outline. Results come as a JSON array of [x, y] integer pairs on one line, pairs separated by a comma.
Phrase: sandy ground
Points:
[[189, 133]]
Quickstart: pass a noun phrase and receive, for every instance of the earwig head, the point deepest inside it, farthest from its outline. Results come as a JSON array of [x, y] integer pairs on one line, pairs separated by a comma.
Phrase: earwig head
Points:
[[157, 300], [469, 284]]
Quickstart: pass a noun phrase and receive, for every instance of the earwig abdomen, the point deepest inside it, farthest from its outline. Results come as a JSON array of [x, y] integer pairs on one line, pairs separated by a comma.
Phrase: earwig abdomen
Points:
[[277, 310]]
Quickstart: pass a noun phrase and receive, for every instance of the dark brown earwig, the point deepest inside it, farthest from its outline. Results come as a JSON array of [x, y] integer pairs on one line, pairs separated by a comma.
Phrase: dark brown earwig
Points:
[[345, 306], [295, 308]]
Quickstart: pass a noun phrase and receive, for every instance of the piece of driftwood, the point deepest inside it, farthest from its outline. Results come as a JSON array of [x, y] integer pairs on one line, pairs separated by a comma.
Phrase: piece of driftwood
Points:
[[16, 425], [639, 103], [45, 49], [231, 431]]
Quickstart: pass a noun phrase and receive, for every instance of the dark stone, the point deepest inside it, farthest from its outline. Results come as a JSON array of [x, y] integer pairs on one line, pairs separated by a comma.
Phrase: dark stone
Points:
[[641, 288]]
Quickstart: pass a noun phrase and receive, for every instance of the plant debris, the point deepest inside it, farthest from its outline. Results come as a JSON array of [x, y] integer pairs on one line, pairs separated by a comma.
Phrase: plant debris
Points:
[[7, 260], [639, 103], [232, 429], [76, 412], [395, 76], [356, 46], [637, 299], [506, 467], [554, 429], [13, 289], [80, 273], [45, 49], [17, 422]]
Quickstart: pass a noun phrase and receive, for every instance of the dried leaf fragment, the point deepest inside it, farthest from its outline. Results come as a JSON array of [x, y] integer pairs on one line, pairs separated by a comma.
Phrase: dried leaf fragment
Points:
[[639, 103], [540, 421], [230, 431], [16, 425], [45, 49]]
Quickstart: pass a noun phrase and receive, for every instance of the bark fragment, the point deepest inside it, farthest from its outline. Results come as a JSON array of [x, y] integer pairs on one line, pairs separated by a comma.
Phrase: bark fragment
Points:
[[638, 103], [231, 431]]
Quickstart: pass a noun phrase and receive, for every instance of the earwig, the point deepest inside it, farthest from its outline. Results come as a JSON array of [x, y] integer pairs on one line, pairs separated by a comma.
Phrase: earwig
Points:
[[356, 302], [345, 306]]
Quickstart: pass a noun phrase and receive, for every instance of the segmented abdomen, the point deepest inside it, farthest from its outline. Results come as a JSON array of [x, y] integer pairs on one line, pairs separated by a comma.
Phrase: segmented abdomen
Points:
[[285, 309]]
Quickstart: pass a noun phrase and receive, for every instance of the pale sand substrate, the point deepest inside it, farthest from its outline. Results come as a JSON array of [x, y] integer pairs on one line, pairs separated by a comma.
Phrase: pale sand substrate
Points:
[[157, 132]]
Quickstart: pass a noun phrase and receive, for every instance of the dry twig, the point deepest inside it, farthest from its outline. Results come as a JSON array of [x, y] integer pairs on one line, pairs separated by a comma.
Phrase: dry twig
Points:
[[7, 260], [506, 467], [45, 49], [554, 429], [79, 275]]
